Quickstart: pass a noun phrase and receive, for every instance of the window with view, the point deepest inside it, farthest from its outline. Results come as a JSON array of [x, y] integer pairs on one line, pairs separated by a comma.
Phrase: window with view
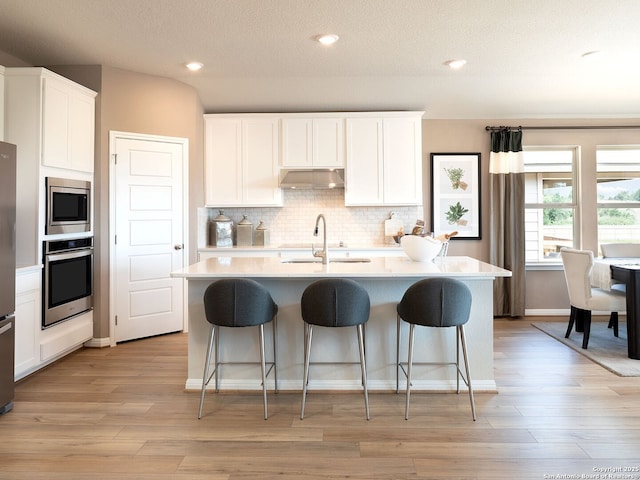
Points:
[[618, 192], [551, 206]]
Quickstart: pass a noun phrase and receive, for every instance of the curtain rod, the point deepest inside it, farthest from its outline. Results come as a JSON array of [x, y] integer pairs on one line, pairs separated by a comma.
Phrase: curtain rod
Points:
[[563, 127]]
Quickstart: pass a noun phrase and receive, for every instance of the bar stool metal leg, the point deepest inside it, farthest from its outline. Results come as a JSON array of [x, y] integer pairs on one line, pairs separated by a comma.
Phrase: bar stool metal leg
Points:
[[263, 370], [205, 375], [409, 363], [217, 357], [463, 340], [397, 354], [307, 356], [363, 368]]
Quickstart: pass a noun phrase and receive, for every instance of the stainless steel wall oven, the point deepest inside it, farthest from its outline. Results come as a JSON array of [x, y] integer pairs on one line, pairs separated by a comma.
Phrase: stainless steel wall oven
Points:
[[68, 279], [68, 206]]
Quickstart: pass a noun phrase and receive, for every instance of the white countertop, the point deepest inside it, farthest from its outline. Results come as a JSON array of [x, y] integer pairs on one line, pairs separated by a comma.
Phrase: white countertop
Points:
[[380, 267]]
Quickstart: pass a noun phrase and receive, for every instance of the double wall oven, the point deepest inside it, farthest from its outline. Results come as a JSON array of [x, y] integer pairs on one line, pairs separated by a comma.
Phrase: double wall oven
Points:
[[68, 279], [67, 250]]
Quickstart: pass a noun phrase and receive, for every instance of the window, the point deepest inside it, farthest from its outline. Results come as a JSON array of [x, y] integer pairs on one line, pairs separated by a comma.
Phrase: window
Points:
[[618, 189], [551, 206]]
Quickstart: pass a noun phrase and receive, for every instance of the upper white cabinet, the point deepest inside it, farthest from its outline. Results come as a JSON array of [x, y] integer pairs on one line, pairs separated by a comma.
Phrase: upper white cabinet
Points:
[[68, 125], [53, 113], [313, 142], [242, 161], [384, 159], [51, 120]]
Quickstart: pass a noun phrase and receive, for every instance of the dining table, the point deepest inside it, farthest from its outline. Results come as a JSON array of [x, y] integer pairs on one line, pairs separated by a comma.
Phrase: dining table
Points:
[[611, 273]]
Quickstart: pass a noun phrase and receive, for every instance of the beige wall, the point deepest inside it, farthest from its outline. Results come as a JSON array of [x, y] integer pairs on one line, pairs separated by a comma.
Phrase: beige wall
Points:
[[545, 289], [136, 103]]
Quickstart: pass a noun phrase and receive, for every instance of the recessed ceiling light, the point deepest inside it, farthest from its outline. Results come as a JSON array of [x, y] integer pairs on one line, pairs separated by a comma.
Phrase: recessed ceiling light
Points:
[[456, 64], [591, 54], [327, 39], [194, 66]]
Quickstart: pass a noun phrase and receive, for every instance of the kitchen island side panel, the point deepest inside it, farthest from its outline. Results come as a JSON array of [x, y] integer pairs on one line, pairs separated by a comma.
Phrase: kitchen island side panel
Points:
[[340, 344]]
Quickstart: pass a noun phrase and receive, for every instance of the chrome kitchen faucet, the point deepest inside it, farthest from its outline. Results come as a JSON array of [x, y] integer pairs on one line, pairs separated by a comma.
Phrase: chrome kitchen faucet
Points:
[[324, 253]]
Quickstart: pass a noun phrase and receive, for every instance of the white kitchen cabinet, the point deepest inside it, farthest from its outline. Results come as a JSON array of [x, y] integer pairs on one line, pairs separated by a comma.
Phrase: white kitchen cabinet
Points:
[[55, 114], [27, 321], [242, 161], [51, 120], [313, 142], [384, 159], [68, 125]]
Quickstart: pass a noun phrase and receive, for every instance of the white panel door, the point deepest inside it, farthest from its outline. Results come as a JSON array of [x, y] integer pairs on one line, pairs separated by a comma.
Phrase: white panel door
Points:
[[149, 237]]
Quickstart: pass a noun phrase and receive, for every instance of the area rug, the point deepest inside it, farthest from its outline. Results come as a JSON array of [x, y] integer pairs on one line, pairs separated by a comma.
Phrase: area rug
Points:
[[604, 349]]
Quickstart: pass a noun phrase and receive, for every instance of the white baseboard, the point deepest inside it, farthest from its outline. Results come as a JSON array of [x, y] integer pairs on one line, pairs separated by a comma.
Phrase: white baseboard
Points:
[[487, 386], [98, 342], [544, 312]]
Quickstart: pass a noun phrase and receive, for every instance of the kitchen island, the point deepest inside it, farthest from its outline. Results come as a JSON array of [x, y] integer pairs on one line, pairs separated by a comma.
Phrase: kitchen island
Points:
[[386, 279]]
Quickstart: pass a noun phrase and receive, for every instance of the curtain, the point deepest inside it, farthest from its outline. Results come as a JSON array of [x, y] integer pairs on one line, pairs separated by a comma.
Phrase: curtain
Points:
[[507, 248]]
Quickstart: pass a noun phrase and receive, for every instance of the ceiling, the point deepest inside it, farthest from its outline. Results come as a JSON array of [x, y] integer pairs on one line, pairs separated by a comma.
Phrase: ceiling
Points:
[[524, 56]]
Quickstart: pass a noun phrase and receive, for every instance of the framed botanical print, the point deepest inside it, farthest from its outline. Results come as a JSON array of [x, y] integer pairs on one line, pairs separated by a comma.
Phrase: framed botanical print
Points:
[[455, 194]]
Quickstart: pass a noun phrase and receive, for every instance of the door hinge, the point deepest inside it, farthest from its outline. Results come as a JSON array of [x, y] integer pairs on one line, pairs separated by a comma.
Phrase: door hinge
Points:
[[115, 239], [115, 158], [116, 320]]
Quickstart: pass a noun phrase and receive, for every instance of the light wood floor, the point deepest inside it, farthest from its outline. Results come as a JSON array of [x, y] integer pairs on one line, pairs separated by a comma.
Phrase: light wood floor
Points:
[[122, 413]]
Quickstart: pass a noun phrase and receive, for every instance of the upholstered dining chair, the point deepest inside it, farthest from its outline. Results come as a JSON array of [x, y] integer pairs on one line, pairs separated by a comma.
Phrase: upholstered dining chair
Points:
[[620, 250], [238, 302], [583, 297]]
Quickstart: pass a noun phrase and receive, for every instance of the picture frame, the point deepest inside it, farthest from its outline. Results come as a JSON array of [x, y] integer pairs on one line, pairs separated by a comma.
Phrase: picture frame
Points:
[[455, 195]]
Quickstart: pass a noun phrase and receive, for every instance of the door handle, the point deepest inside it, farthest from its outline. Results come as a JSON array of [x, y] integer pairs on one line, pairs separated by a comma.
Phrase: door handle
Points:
[[178, 246], [6, 328]]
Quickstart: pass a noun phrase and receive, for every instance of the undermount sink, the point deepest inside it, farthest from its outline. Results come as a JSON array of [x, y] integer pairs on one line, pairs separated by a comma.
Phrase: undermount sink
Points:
[[331, 260]]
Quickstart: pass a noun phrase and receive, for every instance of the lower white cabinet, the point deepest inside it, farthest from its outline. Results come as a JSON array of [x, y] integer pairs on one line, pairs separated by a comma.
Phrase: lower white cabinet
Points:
[[35, 347], [27, 322]]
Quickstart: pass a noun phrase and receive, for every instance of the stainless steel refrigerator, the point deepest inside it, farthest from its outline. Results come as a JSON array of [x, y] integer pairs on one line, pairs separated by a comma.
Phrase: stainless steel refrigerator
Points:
[[7, 273]]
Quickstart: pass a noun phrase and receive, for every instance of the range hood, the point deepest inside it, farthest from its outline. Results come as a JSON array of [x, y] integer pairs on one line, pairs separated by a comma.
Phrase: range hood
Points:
[[312, 179]]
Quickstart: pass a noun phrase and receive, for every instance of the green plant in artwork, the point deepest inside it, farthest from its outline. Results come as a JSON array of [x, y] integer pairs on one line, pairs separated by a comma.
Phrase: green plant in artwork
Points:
[[455, 175], [455, 213]]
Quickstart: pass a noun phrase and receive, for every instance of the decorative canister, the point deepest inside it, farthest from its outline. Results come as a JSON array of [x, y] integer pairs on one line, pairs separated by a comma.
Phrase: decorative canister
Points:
[[220, 231], [262, 235], [244, 233]]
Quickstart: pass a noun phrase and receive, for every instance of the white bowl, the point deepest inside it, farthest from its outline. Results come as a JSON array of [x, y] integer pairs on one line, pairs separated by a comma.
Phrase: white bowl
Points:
[[420, 249]]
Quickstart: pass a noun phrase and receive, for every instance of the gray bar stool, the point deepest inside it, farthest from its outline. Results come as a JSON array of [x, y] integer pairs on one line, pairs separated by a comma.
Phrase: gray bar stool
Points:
[[435, 302], [238, 302], [334, 302]]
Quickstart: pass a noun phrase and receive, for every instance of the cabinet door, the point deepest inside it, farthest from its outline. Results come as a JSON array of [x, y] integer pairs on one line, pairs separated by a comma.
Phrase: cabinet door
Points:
[[81, 132], [68, 122], [328, 142], [297, 142], [402, 161], [27, 314], [313, 142], [260, 154], [55, 124], [223, 162], [364, 168], [27, 322]]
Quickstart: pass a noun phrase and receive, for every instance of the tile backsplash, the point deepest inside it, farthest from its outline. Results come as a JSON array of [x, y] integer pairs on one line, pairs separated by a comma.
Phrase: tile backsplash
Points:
[[295, 221]]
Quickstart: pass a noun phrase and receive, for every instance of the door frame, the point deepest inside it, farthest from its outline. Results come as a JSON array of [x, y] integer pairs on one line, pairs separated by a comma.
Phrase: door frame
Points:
[[114, 135]]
